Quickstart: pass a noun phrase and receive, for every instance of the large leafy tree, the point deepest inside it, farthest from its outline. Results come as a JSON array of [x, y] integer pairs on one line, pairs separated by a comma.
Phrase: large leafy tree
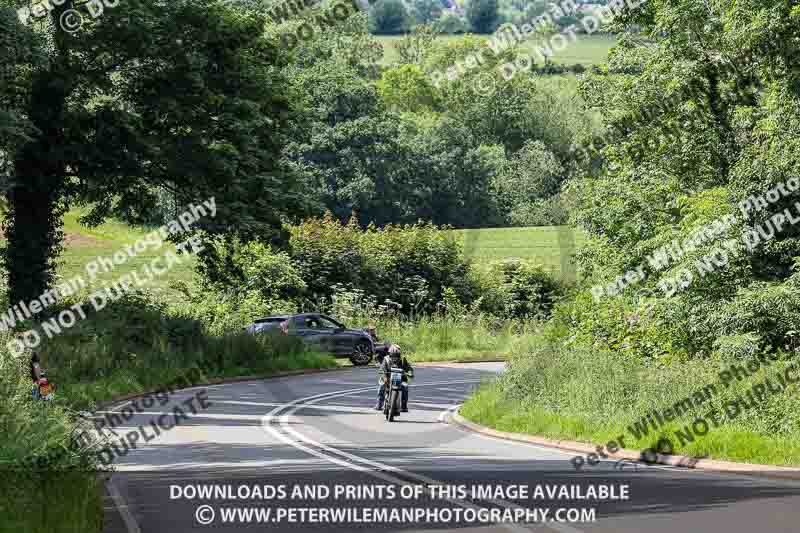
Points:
[[183, 96], [483, 15], [701, 111], [389, 17]]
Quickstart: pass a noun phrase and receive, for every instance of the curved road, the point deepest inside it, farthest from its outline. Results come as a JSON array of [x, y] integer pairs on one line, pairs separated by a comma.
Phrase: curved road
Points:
[[319, 433]]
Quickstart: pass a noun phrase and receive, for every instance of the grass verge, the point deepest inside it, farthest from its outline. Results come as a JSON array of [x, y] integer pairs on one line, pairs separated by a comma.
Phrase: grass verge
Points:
[[443, 338], [132, 345], [596, 397], [49, 502]]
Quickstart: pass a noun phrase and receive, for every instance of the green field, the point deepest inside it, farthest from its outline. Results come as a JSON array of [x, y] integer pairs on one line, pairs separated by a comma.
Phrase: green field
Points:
[[587, 50], [83, 245], [550, 246]]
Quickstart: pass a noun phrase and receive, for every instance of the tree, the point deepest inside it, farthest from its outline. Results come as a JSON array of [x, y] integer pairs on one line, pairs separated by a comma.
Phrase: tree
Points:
[[414, 47], [182, 95], [533, 173], [701, 112], [452, 23], [407, 88], [426, 11], [482, 15], [388, 17]]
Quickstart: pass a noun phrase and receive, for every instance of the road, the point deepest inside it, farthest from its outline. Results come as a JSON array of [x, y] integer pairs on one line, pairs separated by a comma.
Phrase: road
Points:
[[319, 434]]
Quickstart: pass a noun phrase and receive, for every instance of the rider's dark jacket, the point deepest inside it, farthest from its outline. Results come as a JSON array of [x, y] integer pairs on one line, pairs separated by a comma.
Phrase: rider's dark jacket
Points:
[[389, 362]]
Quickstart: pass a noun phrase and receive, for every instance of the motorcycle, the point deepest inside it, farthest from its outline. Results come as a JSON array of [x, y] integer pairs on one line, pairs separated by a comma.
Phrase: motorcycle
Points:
[[394, 391]]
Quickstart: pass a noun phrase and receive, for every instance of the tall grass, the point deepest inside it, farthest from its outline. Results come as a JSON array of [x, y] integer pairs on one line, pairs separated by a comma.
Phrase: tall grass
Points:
[[131, 346], [454, 333], [594, 396], [49, 502], [447, 338], [137, 344], [59, 495]]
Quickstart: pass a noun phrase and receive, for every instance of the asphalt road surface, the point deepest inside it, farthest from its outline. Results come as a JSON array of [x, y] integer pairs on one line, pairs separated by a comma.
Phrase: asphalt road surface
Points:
[[309, 453]]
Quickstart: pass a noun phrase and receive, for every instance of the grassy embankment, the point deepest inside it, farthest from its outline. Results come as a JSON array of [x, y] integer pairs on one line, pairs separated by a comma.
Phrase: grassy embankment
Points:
[[594, 397]]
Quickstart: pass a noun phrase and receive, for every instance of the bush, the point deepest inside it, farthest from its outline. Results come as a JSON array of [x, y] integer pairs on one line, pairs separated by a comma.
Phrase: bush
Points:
[[229, 311], [407, 88], [540, 212], [452, 24], [517, 289], [408, 265]]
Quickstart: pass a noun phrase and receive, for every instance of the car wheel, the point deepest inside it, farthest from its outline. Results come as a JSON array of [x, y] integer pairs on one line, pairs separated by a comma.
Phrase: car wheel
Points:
[[361, 355]]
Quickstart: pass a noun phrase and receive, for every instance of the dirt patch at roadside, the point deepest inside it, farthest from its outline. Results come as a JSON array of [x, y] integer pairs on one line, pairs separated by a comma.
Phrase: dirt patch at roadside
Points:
[[77, 240], [71, 240]]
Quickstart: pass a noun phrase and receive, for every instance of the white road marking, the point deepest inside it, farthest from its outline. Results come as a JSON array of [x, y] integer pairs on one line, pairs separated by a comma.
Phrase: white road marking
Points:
[[119, 501], [191, 415], [299, 404], [237, 402], [125, 513]]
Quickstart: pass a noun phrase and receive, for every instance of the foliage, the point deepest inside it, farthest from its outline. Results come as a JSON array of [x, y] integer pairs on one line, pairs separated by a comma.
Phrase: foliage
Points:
[[112, 125], [426, 11], [550, 211], [415, 46], [695, 125], [454, 332], [532, 174], [520, 290], [452, 23], [410, 265], [482, 15], [595, 395], [407, 88], [388, 17]]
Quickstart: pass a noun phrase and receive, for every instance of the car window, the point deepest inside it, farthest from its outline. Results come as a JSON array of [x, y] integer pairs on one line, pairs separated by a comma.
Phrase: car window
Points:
[[328, 324], [312, 323]]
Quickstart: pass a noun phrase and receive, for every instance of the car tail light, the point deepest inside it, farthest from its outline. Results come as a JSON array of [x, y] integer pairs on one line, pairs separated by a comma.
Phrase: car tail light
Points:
[[285, 327]]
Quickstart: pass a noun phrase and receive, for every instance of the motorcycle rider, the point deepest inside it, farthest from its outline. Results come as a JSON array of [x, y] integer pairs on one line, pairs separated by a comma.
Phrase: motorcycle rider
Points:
[[394, 359]]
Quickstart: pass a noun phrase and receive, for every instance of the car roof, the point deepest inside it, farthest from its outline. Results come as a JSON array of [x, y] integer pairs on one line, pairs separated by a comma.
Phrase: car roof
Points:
[[276, 318]]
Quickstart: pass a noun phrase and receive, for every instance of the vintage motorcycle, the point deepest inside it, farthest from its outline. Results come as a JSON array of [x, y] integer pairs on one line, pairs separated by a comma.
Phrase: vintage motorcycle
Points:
[[394, 391]]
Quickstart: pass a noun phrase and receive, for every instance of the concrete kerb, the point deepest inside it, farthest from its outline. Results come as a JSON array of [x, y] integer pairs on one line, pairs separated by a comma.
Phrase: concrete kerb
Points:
[[723, 467]]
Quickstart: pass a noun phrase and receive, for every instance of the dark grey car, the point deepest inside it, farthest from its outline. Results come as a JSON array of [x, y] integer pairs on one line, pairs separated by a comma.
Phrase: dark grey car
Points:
[[321, 333]]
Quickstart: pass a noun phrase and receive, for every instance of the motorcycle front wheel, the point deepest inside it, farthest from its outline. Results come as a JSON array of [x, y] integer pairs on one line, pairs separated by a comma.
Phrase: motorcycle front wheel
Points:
[[392, 406]]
